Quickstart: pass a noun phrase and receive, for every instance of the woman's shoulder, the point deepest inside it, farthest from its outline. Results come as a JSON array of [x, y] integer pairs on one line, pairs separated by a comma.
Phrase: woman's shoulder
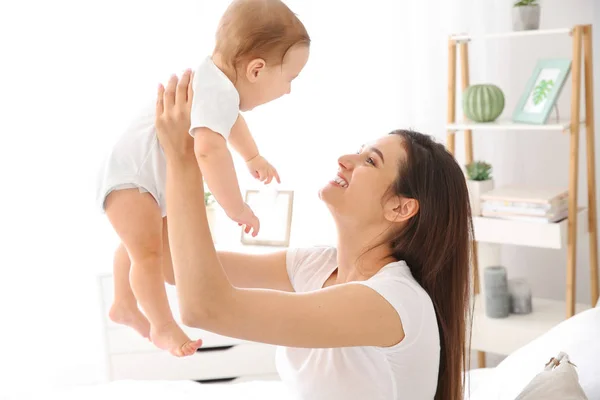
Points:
[[413, 304], [307, 254], [305, 265]]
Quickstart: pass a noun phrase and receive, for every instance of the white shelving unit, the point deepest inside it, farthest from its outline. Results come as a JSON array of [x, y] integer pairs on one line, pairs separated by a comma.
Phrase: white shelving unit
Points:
[[508, 35], [503, 336], [507, 125], [520, 233]]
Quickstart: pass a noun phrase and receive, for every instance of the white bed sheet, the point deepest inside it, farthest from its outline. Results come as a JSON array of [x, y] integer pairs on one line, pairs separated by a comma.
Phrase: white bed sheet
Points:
[[187, 390], [475, 379], [162, 390]]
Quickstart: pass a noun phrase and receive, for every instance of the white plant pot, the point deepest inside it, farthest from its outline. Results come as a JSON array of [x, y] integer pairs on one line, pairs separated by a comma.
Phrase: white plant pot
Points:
[[211, 216], [526, 18], [476, 189]]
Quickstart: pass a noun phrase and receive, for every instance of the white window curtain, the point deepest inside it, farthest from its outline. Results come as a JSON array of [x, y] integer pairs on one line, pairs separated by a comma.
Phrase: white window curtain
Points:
[[74, 73]]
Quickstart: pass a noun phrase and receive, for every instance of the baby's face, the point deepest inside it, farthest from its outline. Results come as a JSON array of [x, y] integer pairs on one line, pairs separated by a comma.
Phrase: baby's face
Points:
[[272, 82]]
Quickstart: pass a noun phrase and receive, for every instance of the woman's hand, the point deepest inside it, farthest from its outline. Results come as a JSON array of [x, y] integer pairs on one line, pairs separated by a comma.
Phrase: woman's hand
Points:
[[173, 105]]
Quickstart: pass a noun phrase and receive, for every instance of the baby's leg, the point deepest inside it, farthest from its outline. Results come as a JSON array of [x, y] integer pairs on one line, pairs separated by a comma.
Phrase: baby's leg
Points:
[[137, 220], [125, 309]]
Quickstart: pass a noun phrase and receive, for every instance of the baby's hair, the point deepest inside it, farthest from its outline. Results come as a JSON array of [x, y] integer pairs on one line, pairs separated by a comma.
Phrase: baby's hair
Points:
[[252, 29]]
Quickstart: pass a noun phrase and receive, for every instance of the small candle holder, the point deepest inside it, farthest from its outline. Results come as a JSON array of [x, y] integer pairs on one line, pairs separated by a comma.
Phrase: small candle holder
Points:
[[520, 296], [497, 298]]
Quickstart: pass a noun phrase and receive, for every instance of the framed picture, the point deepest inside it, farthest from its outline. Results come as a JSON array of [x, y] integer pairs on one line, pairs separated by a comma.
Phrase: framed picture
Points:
[[542, 90], [274, 210]]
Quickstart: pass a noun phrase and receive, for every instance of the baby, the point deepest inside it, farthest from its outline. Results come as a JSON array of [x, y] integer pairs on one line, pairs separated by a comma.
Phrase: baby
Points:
[[261, 46]]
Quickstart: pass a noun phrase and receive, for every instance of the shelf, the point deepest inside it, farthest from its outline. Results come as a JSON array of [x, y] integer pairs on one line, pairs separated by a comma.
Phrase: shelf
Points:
[[507, 125], [505, 335], [512, 34], [531, 234]]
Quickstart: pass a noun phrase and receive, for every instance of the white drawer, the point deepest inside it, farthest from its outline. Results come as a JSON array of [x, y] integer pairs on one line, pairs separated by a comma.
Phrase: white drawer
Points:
[[251, 378], [127, 340], [238, 361], [247, 378]]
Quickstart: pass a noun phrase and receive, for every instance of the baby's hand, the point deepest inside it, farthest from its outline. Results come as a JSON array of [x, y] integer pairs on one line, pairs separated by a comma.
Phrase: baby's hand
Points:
[[247, 218], [262, 170]]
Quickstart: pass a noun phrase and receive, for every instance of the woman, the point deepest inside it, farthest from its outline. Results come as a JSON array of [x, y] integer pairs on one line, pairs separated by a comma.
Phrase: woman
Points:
[[382, 316]]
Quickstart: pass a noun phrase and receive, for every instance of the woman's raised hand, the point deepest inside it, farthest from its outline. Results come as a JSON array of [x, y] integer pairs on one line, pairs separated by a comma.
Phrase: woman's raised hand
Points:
[[173, 105]]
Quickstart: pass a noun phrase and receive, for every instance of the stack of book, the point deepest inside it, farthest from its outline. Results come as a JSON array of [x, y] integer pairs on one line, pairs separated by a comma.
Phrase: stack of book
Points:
[[526, 203]]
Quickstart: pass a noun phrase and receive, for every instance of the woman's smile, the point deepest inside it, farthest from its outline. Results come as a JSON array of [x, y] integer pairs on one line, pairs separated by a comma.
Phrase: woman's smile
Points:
[[340, 181]]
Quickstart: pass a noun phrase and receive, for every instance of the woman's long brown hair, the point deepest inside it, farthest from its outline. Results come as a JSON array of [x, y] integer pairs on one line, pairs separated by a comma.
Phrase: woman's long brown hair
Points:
[[436, 244]]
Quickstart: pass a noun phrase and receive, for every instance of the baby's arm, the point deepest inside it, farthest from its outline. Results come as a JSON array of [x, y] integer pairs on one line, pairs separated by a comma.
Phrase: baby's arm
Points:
[[243, 143], [216, 164], [215, 110]]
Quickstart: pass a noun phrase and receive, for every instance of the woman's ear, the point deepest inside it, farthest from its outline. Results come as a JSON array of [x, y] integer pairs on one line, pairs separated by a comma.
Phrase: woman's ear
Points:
[[398, 209], [254, 69]]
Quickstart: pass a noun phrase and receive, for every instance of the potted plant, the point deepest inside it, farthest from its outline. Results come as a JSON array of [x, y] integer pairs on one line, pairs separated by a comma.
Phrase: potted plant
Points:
[[479, 180], [209, 202], [526, 15]]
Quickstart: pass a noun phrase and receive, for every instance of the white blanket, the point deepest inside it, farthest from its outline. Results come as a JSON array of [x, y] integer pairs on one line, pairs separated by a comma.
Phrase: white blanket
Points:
[[183, 390], [162, 390]]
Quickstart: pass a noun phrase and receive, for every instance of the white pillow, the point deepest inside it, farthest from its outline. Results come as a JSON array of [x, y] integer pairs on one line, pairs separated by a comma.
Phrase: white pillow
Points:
[[558, 381], [578, 336]]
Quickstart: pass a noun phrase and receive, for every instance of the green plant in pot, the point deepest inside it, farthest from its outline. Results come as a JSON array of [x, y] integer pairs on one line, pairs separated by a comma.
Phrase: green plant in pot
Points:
[[483, 102], [209, 199], [479, 180], [526, 15], [211, 216]]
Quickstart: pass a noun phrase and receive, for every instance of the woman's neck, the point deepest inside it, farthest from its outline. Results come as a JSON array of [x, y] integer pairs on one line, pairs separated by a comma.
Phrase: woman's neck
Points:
[[359, 257]]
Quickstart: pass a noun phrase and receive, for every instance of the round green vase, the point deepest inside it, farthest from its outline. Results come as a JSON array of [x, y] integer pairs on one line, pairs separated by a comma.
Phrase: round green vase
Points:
[[483, 103]]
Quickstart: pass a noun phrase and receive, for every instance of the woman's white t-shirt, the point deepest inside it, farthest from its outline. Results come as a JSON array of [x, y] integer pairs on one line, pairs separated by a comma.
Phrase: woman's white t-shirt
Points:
[[407, 370]]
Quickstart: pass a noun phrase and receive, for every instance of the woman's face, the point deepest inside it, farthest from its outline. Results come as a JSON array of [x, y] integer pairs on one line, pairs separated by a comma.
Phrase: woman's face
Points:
[[363, 179]]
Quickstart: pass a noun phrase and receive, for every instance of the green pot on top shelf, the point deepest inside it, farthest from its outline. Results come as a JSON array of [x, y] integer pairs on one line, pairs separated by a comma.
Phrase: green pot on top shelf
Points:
[[483, 102]]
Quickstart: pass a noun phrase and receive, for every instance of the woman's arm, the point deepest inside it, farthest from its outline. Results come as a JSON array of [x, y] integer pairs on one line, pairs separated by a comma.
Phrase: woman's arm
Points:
[[267, 271], [339, 316], [343, 315]]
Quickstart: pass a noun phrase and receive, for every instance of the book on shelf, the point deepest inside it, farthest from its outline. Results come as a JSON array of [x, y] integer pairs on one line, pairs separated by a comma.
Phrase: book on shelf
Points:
[[527, 218], [526, 203]]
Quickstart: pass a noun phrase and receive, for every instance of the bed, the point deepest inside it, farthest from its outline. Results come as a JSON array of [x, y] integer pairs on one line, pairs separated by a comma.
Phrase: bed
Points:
[[179, 390], [162, 390], [578, 336]]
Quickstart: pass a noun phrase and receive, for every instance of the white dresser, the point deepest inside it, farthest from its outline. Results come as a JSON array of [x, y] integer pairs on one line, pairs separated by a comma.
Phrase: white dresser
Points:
[[220, 359]]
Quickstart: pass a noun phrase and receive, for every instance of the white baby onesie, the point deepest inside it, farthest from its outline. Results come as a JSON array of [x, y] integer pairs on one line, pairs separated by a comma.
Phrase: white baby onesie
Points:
[[137, 160]]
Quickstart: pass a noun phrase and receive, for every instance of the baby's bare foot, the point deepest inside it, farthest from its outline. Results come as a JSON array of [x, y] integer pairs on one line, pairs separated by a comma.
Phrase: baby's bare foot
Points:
[[172, 338], [130, 315]]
